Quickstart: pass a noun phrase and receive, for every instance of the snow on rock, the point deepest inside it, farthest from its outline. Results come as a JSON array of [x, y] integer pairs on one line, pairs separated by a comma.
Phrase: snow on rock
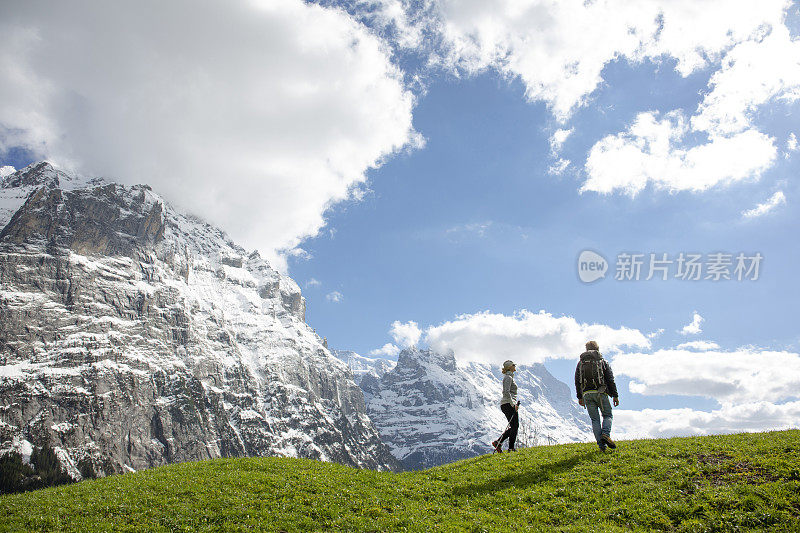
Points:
[[364, 367], [134, 335], [430, 410]]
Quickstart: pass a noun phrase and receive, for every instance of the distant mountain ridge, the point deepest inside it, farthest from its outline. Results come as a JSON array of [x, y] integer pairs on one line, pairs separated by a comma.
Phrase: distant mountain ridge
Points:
[[133, 335], [431, 410]]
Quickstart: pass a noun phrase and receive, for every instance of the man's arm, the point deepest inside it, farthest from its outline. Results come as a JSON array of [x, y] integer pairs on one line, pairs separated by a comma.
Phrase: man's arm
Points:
[[578, 382], [608, 375]]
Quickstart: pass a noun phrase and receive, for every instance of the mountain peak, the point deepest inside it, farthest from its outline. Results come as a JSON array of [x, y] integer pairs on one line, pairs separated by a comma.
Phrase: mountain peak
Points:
[[47, 174], [414, 357]]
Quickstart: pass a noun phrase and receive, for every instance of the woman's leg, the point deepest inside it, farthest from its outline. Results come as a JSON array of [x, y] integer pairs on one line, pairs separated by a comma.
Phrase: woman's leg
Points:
[[508, 410], [512, 437]]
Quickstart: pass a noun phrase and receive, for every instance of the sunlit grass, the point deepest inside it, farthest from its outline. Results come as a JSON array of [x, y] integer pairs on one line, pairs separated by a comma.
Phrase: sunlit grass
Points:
[[720, 483]]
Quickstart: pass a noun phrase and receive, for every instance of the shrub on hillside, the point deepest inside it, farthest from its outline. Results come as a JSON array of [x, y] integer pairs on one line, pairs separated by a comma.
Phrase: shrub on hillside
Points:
[[13, 473], [16, 476], [48, 467]]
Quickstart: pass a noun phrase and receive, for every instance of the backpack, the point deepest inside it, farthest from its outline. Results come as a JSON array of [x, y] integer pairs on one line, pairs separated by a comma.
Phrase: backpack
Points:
[[592, 374]]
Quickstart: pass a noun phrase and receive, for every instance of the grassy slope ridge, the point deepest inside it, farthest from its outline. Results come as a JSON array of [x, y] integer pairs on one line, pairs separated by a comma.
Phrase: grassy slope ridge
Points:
[[720, 483]]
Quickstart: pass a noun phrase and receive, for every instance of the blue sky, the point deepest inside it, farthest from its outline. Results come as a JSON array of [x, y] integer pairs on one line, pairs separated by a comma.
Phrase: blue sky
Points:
[[429, 171], [474, 222]]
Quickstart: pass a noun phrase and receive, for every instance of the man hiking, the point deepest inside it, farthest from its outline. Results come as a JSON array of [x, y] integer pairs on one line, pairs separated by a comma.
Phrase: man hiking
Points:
[[594, 383]]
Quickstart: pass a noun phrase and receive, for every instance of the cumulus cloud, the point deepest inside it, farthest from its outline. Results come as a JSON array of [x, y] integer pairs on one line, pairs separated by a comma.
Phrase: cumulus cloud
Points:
[[313, 282], [656, 150], [256, 116], [693, 328], [334, 297], [387, 350], [525, 337], [700, 346], [757, 390], [665, 423], [559, 48], [405, 333], [762, 209], [739, 377], [753, 73]]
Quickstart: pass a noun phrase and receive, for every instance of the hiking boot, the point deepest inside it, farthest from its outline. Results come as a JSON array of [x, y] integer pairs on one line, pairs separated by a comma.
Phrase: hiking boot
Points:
[[607, 439], [497, 446]]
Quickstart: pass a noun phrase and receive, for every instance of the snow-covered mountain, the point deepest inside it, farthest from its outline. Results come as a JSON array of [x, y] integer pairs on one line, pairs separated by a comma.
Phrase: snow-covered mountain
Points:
[[364, 367], [430, 410], [133, 335]]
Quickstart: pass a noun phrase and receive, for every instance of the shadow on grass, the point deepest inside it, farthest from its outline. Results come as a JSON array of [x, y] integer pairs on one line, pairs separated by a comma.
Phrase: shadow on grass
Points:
[[523, 475]]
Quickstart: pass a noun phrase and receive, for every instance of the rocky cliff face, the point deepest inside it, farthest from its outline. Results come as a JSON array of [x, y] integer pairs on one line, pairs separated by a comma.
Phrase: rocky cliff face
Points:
[[133, 335], [430, 410]]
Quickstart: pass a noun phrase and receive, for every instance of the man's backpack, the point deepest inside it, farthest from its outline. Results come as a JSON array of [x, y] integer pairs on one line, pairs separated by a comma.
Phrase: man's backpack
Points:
[[592, 374]]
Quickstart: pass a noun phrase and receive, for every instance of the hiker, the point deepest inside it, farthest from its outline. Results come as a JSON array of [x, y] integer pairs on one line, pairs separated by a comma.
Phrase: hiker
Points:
[[510, 407], [594, 383]]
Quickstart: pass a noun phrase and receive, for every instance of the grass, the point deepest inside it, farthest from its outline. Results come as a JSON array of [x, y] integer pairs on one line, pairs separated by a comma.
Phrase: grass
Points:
[[720, 483]]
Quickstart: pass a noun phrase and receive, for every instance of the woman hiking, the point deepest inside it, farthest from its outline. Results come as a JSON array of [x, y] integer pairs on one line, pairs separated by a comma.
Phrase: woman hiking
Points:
[[510, 407]]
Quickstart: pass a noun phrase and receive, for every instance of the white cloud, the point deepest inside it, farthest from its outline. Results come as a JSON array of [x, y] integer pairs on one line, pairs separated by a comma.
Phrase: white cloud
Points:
[[762, 209], [752, 73], [313, 282], [405, 333], [299, 253], [665, 423], [740, 377], [558, 139], [693, 328], [525, 337], [334, 297], [387, 350], [7, 171], [256, 116], [701, 346], [756, 390], [655, 334], [791, 144], [559, 167], [475, 228], [655, 150], [559, 48], [404, 25]]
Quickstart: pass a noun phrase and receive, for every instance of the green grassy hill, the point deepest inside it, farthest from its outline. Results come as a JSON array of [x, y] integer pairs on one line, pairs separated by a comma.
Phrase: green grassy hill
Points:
[[721, 483]]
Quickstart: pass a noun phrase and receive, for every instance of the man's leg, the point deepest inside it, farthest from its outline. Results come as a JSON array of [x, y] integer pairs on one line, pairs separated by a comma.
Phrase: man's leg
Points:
[[605, 408], [590, 400], [608, 417]]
